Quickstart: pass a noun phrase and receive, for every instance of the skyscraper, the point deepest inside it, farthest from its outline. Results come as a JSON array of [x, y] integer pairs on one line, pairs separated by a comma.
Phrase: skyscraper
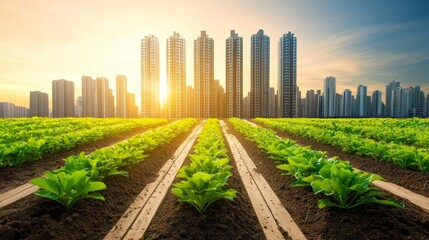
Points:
[[39, 104], [329, 91], [204, 76], [89, 97], [377, 106], [62, 98], [150, 99], [287, 76], [121, 96], [103, 97], [260, 75], [310, 108], [361, 99], [390, 89], [234, 75], [347, 104], [176, 76]]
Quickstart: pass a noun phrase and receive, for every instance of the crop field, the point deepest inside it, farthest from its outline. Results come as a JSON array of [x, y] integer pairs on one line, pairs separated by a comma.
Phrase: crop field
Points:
[[214, 179]]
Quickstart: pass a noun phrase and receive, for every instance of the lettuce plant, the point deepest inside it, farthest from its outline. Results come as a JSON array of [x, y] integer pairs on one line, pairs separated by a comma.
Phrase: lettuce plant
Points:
[[68, 188]]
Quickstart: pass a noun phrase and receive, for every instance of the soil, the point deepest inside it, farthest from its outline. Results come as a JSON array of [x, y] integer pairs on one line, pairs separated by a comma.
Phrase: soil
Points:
[[39, 218], [413, 180], [364, 222], [12, 177], [222, 220]]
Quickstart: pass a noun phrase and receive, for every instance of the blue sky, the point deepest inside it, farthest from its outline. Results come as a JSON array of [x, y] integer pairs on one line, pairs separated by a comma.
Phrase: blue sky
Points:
[[358, 42]]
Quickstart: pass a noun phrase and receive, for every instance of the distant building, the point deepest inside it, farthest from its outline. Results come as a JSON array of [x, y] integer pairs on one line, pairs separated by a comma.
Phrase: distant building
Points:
[[272, 103], [78, 107], [246, 105], [121, 96], [176, 76], [361, 98], [190, 102], [310, 107], [7, 110], [89, 97], [103, 98], [39, 104], [347, 104], [204, 76], [377, 106], [259, 75], [390, 101], [329, 99], [150, 99], [417, 102], [234, 75], [287, 85], [219, 100], [132, 109], [62, 98]]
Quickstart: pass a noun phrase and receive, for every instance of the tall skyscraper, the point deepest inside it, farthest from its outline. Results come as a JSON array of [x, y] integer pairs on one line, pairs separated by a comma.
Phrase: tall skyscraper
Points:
[[397, 102], [347, 104], [103, 97], [260, 75], [62, 98], [361, 98], [121, 96], [39, 104], [272, 103], [287, 76], [310, 107], [234, 75], [377, 106], [150, 98], [390, 89], [204, 76], [176, 76], [329, 91], [89, 97]]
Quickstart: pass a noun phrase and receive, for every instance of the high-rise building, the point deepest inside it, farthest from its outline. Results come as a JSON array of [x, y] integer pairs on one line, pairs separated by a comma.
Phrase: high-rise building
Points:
[[260, 75], [190, 102], [150, 98], [329, 91], [246, 105], [347, 104], [361, 99], [39, 104], [204, 75], [417, 102], [405, 102], [111, 104], [234, 75], [377, 106], [219, 100], [390, 89], [62, 98], [78, 107], [121, 96], [272, 103], [397, 102], [89, 97], [287, 76], [338, 104], [7, 110], [310, 107], [176, 76], [132, 109], [103, 97]]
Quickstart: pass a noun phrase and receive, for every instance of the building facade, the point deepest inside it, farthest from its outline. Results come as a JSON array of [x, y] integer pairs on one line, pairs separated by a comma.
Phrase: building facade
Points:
[[287, 85], [150, 95], [234, 75], [63, 98], [329, 91], [39, 104], [259, 75], [121, 96]]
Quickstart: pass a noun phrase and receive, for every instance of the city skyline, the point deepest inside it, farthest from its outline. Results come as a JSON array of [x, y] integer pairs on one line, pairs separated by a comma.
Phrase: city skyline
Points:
[[359, 43]]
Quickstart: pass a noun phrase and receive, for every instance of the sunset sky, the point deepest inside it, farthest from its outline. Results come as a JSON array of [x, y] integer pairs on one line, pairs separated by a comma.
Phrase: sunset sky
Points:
[[358, 42]]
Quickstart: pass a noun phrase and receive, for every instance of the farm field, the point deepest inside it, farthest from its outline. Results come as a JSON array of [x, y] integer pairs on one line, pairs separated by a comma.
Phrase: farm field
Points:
[[214, 179]]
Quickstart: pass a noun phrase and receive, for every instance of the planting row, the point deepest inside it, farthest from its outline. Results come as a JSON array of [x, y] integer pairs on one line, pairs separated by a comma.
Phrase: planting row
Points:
[[341, 184], [205, 178], [26, 149], [401, 155], [406, 133], [83, 174]]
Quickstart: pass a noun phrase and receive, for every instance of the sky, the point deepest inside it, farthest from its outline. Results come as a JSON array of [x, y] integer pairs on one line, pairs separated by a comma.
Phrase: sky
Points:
[[359, 42]]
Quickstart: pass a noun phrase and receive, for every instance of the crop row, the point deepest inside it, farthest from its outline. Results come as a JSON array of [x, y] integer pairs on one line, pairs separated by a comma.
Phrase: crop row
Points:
[[83, 174], [18, 152], [341, 184], [370, 128], [205, 178], [400, 155]]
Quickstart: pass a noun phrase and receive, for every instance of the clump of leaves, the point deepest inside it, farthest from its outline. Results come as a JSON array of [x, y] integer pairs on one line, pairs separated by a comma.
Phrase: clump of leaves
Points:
[[66, 188]]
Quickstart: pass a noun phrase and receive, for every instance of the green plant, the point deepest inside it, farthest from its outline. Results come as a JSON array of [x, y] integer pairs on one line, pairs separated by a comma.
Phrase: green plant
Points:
[[202, 189], [68, 188], [348, 188]]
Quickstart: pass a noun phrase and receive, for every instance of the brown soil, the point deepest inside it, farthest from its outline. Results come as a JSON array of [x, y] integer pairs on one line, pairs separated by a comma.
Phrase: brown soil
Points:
[[12, 177], [365, 222], [222, 220], [413, 180], [38, 218]]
